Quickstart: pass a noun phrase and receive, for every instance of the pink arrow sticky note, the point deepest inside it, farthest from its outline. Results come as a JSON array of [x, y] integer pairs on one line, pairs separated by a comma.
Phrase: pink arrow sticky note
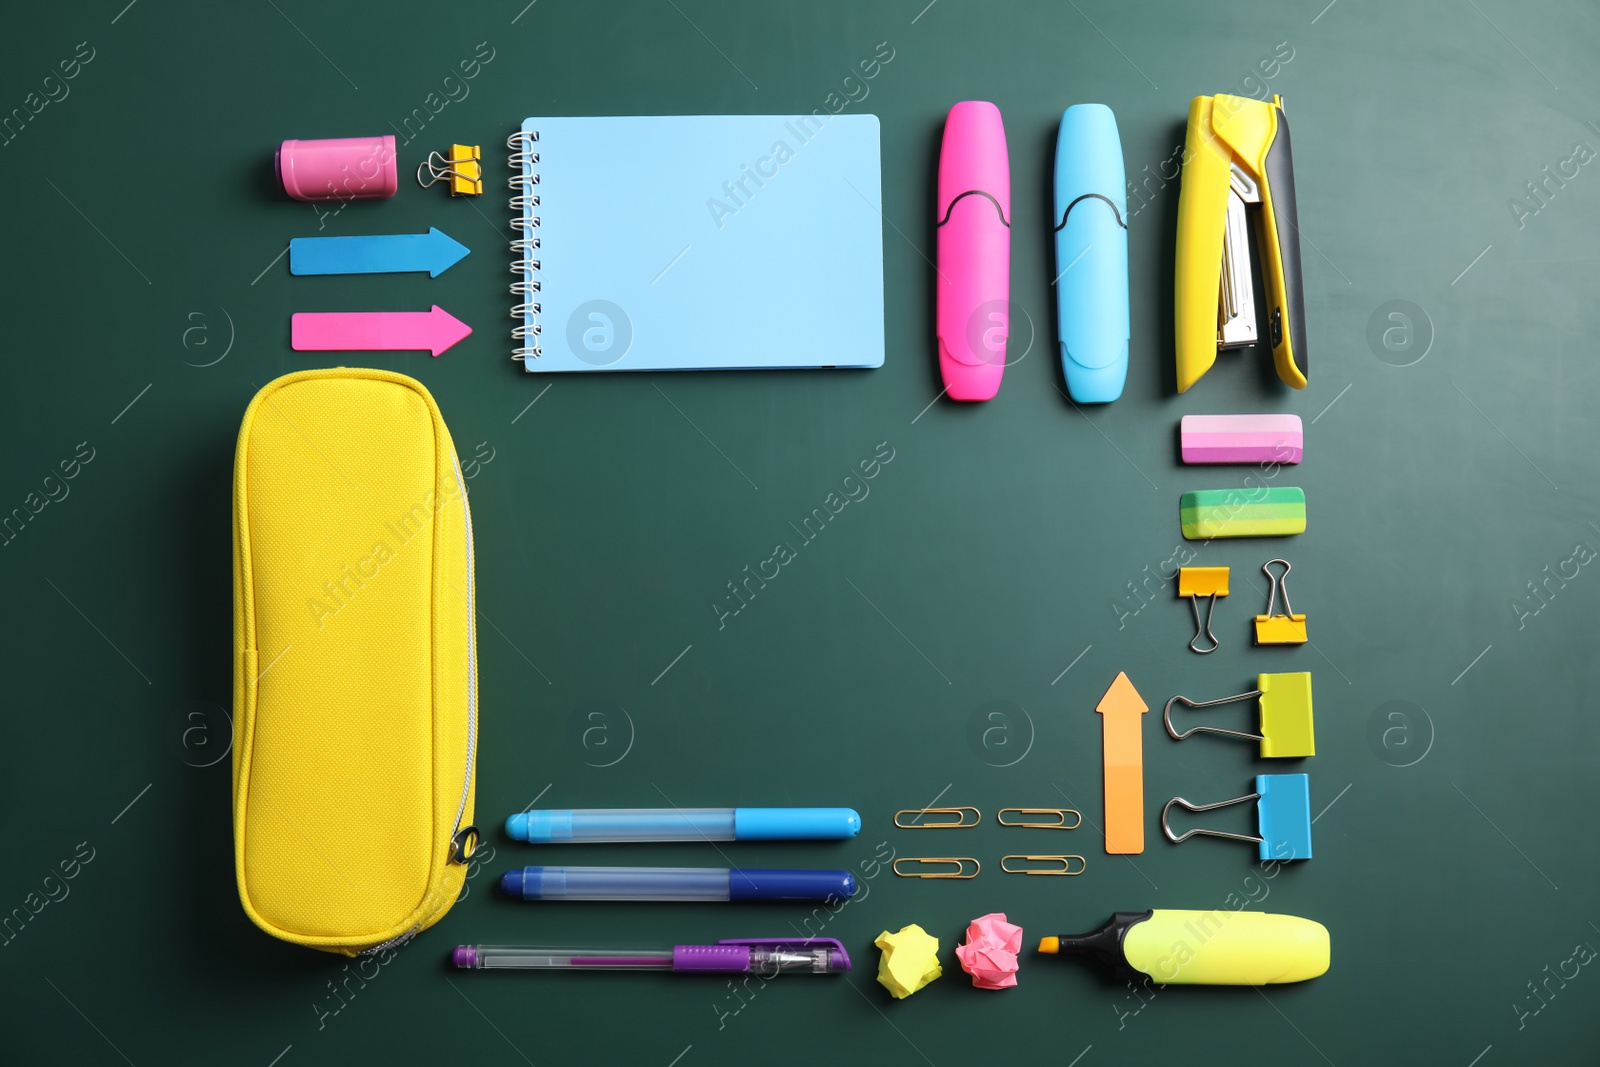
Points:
[[374, 331]]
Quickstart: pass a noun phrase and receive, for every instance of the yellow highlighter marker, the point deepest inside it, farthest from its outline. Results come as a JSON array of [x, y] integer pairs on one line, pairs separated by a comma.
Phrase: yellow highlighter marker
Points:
[[1173, 947]]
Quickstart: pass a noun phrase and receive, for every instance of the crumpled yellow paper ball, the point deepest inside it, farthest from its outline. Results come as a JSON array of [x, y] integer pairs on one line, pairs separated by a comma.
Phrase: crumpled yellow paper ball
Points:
[[910, 960]]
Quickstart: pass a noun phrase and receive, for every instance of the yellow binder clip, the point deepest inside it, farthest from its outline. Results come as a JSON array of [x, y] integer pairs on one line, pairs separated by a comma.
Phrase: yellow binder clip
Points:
[[1286, 725], [1197, 582], [463, 168], [1285, 629]]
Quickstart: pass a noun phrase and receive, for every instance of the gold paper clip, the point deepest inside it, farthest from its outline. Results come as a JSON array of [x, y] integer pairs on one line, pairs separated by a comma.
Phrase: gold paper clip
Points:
[[463, 168], [1285, 629], [1059, 824], [1065, 861], [959, 823], [960, 863]]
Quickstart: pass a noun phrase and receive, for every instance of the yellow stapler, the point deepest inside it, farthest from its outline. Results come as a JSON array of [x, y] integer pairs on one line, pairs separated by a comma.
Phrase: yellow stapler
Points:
[[1237, 153]]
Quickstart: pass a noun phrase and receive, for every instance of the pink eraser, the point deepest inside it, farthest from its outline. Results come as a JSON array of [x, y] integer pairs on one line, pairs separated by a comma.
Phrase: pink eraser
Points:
[[339, 168], [1241, 438], [974, 271]]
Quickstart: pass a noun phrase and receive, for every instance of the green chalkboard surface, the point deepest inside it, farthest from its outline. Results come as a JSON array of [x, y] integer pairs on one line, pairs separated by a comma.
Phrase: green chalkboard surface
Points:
[[943, 636]]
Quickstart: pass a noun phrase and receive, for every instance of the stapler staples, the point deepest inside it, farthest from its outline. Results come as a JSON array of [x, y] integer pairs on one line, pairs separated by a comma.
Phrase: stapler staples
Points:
[[1237, 155]]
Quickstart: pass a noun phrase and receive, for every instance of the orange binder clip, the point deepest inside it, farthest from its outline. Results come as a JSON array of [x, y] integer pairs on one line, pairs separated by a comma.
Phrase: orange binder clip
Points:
[[1122, 711]]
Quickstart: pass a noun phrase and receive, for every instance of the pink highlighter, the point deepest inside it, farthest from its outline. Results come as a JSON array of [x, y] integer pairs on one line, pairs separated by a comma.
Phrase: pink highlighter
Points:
[[974, 274]]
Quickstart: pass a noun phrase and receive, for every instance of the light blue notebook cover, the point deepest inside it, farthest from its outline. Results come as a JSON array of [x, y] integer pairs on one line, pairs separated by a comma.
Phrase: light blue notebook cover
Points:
[[699, 242]]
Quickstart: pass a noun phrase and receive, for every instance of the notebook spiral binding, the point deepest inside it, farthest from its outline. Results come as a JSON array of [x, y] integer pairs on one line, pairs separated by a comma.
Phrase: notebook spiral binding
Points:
[[524, 160]]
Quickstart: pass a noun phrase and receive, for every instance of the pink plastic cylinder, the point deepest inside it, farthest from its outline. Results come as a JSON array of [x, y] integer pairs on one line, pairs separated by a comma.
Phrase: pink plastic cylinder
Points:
[[339, 168]]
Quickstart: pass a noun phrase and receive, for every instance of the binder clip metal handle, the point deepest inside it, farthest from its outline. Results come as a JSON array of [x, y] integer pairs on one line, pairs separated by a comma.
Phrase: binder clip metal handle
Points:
[[1166, 718], [1203, 631], [1178, 839], [1279, 585]]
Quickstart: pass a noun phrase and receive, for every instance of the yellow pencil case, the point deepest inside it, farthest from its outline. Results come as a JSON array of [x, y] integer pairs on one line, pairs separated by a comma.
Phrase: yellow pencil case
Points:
[[355, 668]]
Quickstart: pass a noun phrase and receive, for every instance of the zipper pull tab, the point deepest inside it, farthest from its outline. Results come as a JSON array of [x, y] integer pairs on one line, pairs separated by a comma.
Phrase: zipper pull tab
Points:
[[463, 844]]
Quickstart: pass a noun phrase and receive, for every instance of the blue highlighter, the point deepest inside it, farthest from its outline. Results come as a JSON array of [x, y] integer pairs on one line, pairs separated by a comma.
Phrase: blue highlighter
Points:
[[1092, 254], [577, 825]]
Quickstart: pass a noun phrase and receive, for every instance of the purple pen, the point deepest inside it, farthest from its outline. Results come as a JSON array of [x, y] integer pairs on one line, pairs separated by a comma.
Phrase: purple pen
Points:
[[765, 957]]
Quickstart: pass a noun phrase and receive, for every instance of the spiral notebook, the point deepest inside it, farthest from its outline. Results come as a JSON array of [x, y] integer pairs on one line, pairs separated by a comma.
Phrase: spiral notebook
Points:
[[698, 242]]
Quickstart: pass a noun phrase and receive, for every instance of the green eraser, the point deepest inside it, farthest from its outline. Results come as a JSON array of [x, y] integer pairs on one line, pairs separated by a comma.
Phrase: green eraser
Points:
[[1263, 512]]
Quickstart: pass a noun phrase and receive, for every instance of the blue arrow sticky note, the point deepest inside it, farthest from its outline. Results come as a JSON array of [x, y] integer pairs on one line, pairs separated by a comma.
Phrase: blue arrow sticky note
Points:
[[395, 253]]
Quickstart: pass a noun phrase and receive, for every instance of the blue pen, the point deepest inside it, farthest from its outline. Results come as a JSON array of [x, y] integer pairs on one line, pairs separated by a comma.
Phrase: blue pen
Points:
[[683, 824], [676, 883], [1092, 254]]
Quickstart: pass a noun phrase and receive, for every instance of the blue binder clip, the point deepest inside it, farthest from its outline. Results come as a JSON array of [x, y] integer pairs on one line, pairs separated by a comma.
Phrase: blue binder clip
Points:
[[1091, 254], [1283, 817]]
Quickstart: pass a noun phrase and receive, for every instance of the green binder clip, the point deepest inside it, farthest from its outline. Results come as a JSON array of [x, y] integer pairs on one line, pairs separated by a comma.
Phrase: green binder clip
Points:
[[1286, 727]]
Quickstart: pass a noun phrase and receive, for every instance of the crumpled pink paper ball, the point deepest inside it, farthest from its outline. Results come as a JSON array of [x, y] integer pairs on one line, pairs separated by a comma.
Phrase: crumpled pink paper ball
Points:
[[990, 952]]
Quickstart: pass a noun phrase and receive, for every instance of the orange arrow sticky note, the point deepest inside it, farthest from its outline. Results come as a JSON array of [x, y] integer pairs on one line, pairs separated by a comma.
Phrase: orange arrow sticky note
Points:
[[1123, 709]]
